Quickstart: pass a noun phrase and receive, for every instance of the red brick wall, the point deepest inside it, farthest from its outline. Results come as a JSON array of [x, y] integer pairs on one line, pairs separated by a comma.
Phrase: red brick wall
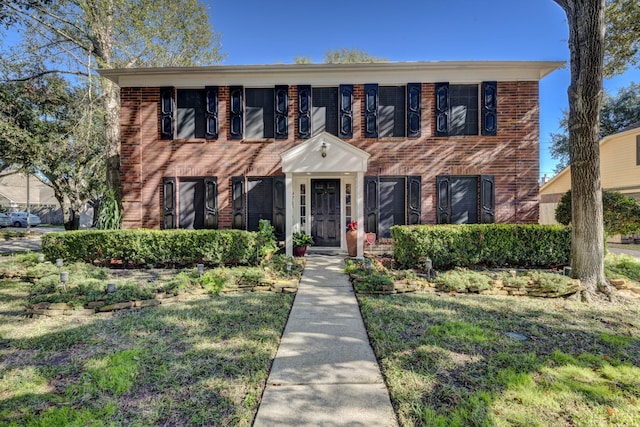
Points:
[[511, 156]]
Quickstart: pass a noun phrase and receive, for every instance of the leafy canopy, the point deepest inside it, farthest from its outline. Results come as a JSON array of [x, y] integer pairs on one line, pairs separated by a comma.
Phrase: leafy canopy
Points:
[[617, 113], [621, 213]]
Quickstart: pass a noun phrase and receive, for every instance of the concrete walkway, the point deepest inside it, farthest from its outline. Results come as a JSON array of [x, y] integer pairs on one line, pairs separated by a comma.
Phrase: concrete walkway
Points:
[[325, 372]]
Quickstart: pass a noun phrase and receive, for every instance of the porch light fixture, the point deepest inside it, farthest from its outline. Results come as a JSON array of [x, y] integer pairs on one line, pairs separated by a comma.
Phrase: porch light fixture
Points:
[[323, 149]]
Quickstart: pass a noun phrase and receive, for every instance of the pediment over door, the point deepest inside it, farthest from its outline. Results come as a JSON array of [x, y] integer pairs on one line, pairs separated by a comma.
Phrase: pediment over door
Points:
[[340, 156]]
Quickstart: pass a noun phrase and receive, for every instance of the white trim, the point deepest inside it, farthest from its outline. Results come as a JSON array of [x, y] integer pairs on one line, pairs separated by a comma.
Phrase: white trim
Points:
[[340, 156], [304, 163], [332, 74]]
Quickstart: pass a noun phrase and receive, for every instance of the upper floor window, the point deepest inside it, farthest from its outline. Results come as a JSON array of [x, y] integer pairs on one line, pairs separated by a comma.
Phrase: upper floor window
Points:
[[258, 113], [325, 109], [189, 113], [392, 110], [466, 109], [190, 120], [260, 110]]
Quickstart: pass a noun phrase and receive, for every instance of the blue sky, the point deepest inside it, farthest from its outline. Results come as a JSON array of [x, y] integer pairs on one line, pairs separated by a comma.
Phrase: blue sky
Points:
[[259, 32]]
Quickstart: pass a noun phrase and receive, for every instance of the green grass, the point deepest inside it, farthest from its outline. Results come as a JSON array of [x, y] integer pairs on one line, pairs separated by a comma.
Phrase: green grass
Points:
[[201, 362], [448, 361]]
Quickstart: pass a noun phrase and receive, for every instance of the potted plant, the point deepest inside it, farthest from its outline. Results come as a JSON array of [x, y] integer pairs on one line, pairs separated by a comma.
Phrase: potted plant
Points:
[[300, 242], [352, 238]]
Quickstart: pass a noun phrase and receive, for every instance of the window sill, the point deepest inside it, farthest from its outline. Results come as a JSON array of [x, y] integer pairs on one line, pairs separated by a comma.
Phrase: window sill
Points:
[[191, 140]]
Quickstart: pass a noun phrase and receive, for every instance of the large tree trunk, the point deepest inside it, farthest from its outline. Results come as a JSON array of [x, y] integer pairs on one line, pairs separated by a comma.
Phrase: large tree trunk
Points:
[[586, 44]]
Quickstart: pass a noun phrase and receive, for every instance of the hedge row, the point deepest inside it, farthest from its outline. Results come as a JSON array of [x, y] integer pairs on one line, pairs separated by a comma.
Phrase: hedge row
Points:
[[153, 248], [490, 245]]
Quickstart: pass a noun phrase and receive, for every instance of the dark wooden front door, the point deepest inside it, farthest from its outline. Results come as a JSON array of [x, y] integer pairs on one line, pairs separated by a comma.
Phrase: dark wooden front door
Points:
[[325, 212]]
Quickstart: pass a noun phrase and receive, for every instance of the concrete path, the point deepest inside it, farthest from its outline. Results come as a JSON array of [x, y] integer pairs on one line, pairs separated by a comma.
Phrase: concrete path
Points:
[[325, 372], [631, 252]]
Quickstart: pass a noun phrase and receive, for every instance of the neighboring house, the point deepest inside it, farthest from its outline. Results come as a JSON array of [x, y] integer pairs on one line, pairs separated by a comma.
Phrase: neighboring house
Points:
[[313, 146], [619, 171], [42, 202]]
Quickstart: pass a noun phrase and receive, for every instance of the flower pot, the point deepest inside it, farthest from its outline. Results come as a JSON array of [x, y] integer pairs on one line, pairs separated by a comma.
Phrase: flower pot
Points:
[[352, 243], [299, 251]]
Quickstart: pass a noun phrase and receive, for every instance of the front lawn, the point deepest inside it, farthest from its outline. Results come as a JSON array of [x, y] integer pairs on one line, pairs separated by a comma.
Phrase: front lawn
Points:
[[476, 360], [200, 362]]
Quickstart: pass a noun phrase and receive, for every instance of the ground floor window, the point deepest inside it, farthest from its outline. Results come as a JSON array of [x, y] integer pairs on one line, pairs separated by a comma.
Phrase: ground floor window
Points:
[[256, 198], [190, 203], [391, 201], [467, 199]]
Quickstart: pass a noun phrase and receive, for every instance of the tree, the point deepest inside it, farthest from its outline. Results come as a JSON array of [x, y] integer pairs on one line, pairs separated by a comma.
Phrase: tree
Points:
[[586, 19], [621, 214], [623, 36], [76, 36], [617, 113], [352, 55], [341, 56], [51, 129]]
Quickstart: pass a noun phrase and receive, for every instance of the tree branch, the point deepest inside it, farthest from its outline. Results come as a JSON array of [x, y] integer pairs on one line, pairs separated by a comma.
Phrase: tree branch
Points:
[[46, 72]]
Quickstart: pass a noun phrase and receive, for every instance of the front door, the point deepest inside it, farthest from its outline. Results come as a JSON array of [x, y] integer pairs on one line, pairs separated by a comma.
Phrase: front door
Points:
[[325, 212]]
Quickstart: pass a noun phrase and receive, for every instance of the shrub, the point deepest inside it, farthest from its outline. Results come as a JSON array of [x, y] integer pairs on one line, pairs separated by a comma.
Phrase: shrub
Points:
[[373, 282], [621, 214], [462, 280], [153, 248], [490, 245], [181, 282], [622, 266], [284, 267]]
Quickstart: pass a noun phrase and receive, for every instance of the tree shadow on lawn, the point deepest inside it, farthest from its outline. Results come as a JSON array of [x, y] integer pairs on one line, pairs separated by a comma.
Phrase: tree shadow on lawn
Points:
[[448, 361], [198, 362]]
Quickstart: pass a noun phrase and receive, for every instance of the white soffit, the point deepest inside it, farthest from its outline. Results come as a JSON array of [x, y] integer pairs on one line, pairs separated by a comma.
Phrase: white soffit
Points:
[[341, 156], [333, 74]]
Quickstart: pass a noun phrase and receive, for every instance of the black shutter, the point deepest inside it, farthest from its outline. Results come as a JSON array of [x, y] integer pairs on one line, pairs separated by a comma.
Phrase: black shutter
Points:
[[345, 119], [489, 108], [235, 112], [371, 111], [442, 109], [169, 203], [237, 193], [638, 150], [487, 199], [281, 108], [167, 107], [443, 199], [414, 109], [211, 112], [279, 207], [211, 202], [371, 205], [414, 199], [304, 111]]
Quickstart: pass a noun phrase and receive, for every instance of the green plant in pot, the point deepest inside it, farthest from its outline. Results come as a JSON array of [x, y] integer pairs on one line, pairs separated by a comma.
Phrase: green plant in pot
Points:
[[300, 242]]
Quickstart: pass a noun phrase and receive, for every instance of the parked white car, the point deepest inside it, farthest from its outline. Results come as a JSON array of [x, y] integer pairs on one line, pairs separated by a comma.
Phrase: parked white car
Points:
[[19, 219]]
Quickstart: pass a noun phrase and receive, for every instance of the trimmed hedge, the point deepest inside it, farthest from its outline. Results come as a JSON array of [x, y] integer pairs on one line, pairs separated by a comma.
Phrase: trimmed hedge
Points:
[[153, 248], [490, 245]]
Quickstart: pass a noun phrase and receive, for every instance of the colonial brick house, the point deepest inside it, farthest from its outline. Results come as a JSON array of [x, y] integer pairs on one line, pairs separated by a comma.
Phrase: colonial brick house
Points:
[[311, 147]]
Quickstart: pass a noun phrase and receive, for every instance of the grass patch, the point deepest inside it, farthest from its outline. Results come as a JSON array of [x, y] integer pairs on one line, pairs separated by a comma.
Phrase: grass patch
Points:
[[448, 360], [201, 362], [621, 266]]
